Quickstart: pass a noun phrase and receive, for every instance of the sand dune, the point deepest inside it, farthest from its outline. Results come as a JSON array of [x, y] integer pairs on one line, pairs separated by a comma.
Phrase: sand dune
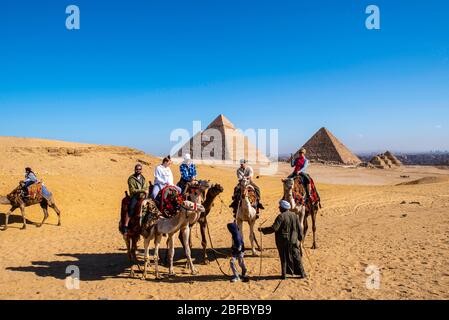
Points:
[[366, 220]]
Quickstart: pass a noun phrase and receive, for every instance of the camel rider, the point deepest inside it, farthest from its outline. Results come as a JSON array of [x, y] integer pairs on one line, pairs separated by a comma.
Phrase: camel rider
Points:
[[245, 172], [30, 179], [188, 172], [138, 189], [300, 164], [163, 177]]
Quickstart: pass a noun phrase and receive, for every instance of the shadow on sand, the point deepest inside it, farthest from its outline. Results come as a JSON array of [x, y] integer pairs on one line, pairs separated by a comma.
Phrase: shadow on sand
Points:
[[100, 266]]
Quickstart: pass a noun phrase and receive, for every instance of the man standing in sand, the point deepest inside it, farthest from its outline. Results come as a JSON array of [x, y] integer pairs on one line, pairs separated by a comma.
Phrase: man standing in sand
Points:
[[287, 229], [138, 189]]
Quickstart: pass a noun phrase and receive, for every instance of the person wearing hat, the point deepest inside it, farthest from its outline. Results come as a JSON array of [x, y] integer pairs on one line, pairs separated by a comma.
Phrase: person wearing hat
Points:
[[30, 179], [138, 189], [188, 172], [300, 164], [245, 171], [287, 230]]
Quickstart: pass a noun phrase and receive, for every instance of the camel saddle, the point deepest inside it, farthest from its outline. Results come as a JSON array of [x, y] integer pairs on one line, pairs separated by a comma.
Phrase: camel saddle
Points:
[[35, 192], [169, 201], [300, 194]]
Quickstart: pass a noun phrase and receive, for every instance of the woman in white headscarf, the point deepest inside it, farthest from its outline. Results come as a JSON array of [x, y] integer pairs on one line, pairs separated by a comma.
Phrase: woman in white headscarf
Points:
[[163, 177], [188, 172]]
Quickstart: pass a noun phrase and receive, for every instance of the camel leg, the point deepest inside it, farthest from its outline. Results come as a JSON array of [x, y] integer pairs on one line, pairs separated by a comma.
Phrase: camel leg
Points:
[[157, 243], [252, 236], [22, 210], [44, 207], [314, 214], [58, 212], [306, 227], [302, 214], [7, 217], [186, 235], [171, 253], [203, 226], [146, 256]]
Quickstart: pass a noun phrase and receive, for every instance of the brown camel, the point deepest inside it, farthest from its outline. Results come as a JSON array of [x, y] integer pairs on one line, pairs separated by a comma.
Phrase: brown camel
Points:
[[15, 200], [197, 195], [294, 192]]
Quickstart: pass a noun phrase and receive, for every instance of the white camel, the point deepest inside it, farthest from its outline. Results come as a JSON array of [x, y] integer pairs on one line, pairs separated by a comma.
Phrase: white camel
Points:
[[186, 216], [246, 212]]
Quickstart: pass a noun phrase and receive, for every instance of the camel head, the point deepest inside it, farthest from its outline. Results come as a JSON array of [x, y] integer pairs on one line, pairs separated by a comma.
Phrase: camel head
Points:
[[288, 184], [216, 189], [190, 206]]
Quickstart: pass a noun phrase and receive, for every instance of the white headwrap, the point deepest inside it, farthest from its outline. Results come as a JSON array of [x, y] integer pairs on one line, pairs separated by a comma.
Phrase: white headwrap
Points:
[[285, 205], [187, 158]]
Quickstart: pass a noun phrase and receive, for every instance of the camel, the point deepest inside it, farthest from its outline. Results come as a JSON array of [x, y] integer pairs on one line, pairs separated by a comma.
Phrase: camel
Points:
[[14, 199], [133, 236], [246, 212], [301, 210], [188, 214], [196, 195]]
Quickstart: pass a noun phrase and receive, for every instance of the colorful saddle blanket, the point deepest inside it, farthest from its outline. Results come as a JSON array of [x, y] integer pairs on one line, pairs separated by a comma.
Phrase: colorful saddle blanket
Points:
[[169, 201]]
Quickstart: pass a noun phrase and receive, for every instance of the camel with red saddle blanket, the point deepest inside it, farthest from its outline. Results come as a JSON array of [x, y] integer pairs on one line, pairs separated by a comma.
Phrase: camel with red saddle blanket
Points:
[[296, 194], [154, 218], [35, 196], [204, 193]]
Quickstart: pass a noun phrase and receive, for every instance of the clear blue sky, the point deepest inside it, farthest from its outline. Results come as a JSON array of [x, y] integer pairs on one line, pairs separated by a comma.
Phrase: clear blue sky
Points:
[[138, 69]]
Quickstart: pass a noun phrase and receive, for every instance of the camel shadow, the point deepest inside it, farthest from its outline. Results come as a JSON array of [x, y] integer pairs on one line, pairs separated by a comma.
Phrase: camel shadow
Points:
[[14, 218], [92, 266]]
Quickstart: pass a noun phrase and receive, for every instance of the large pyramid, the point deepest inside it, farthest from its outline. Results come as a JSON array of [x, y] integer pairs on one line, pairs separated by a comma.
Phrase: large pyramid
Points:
[[233, 147], [324, 146]]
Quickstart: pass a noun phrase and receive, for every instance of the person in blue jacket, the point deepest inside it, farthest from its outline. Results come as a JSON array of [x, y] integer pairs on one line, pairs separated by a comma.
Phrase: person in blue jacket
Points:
[[238, 253]]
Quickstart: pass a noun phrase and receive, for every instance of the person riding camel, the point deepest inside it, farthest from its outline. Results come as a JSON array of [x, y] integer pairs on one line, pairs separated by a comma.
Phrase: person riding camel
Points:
[[163, 177], [245, 172], [30, 179], [138, 189], [300, 164], [188, 172]]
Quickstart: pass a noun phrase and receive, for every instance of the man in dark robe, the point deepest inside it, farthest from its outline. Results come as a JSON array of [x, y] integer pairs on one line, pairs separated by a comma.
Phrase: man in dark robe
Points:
[[287, 230]]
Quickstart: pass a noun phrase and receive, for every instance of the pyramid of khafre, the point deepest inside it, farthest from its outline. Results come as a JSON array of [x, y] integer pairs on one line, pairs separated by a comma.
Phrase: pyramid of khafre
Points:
[[221, 141], [325, 147]]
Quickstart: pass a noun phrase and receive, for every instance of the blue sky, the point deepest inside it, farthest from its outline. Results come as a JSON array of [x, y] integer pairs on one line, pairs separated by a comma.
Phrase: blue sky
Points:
[[138, 69]]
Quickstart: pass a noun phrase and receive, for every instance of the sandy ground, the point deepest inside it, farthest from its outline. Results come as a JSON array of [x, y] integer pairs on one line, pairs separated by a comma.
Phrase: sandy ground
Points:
[[366, 220]]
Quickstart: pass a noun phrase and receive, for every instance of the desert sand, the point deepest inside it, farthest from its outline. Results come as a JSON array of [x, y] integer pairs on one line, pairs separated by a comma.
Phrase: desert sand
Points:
[[367, 219]]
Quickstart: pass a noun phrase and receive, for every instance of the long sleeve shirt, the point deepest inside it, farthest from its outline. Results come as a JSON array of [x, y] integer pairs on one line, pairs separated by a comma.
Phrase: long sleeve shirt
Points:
[[248, 172], [30, 178], [163, 175], [300, 164], [188, 171]]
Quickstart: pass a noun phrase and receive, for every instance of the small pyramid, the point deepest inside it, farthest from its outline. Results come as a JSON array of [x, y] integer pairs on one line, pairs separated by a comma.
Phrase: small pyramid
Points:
[[234, 145], [324, 146]]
